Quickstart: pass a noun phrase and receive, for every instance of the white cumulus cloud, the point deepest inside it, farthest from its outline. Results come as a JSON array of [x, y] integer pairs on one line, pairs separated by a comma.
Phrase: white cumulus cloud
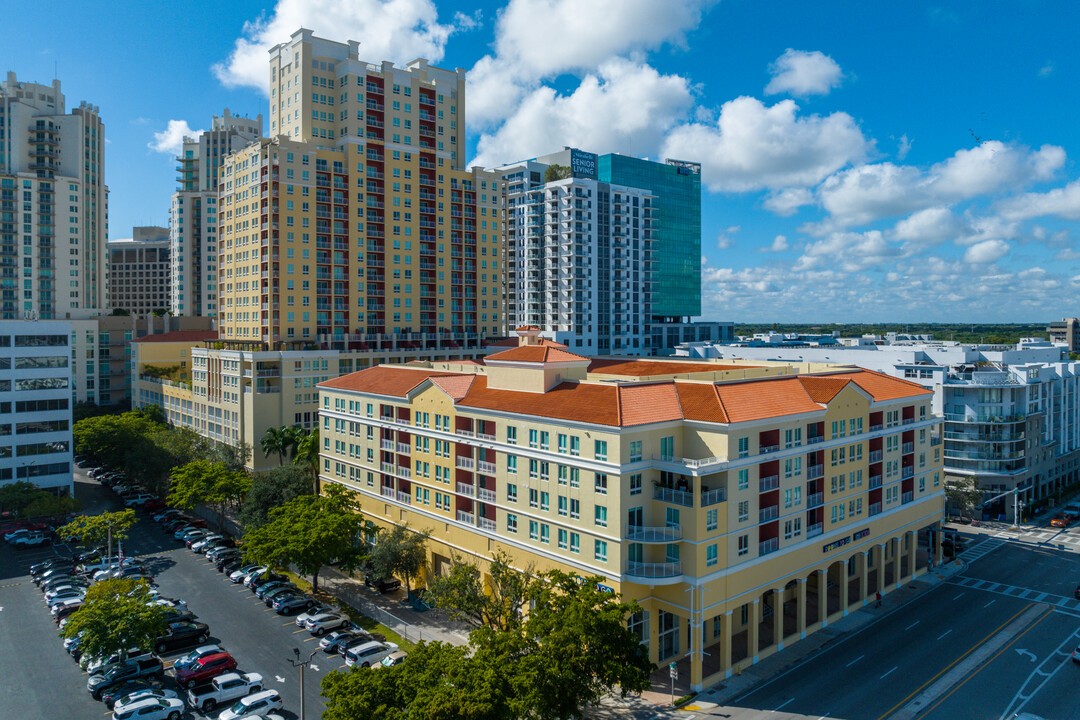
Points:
[[540, 39], [171, 139], [802, 73], [624, 107], [1063, 202], [753, 146], [397, 30], [985, 252]]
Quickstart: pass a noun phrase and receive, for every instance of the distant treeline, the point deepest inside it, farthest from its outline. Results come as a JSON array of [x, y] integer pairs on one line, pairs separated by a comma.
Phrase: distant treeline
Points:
[[970, 332]]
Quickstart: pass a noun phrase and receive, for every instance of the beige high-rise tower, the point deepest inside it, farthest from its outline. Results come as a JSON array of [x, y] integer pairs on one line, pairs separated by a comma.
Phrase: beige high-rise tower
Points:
[[53, 204]]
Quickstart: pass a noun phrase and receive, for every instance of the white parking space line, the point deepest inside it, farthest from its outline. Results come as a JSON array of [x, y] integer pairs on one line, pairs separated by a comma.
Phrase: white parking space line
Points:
[[989, 603], [887, 674], [789, 700], [942, 636], [855, 661], [912, 625]]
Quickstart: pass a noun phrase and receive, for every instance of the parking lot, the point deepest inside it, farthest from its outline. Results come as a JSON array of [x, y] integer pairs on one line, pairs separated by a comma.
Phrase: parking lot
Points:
[[42, 680]]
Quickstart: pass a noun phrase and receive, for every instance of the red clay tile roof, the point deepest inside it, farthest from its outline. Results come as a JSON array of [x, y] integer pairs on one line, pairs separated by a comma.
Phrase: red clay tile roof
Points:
[[528, 327], [535, 354], [636, 404], [456, 386], [514, 342], [380, 380], [584, 402], [180, 336], [647, 368]]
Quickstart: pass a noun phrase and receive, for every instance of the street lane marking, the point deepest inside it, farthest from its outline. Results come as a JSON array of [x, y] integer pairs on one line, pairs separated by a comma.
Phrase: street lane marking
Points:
[[989, 603], [945, 669], [911, 625], [940, 637], [988, 662], [855, 661], [776, 709], [887, 674]]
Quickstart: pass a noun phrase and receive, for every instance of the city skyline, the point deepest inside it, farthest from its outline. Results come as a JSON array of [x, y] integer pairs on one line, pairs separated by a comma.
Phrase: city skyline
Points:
[[916, 177]]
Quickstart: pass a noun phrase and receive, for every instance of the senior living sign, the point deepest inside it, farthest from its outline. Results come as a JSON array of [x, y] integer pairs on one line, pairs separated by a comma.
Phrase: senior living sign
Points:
[[841, 542]]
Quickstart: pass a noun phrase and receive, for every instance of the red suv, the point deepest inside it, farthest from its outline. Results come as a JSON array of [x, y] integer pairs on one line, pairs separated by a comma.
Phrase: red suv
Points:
[[204, 669]]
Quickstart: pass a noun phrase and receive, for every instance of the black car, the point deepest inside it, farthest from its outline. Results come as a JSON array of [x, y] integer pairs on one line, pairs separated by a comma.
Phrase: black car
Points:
[[228, 565], [267, 577], [175, 522], [122, 672], [383, 585], [38, 568], [182, 634], [355, 641], [279, 592], [175, 615]]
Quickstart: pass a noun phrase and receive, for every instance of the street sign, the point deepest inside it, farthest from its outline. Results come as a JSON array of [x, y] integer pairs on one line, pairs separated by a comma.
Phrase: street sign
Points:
[[674, 670]]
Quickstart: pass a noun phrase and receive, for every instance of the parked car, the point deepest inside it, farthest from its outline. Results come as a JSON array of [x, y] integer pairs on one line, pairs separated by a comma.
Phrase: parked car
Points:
[[268, 589], [188, 534], [267, 578], [221, 543], [55, 562], [291, 602], [383, 585], [33, 538], [395, 658], [94, 665], [222, 551], [319, 625], [60, 591], [68, 595], [1072, 510], [123, 701], [166, 514], [317, 609], [368, 654], [182, 634], [197, 544], [223, 689], [113, 675], [229, 565], [138, 500], [331, 644], [151, 709], [199, 652], [238, 575], [65, 608], [114, 694], [253, 706], [205, 669], [356, 640]]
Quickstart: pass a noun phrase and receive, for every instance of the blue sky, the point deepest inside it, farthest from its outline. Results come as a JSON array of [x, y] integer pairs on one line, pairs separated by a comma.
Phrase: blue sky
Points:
[[907, 161]]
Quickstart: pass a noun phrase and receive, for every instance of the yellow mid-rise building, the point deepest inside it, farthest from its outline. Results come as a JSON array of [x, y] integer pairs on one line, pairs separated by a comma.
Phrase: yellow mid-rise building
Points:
[[742, 505]]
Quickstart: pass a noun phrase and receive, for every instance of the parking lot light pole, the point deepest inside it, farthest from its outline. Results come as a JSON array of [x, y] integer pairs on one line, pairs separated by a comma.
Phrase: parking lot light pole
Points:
[[297, 663]]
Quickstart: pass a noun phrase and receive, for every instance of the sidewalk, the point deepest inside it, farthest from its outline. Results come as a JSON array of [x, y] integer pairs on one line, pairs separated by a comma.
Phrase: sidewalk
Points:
[[392, 611], [772, 667]]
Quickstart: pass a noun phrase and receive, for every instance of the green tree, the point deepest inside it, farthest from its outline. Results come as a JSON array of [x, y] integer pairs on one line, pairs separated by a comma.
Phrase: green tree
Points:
[[962, 495], [309, 532], [153, 413], [399, 552], [439, 682], [51, 505], [275, 440], [117, 615], [556, 172], [272, 489], [18, 496], [307, 457], [210, 483], [499, 603], [93, 530]]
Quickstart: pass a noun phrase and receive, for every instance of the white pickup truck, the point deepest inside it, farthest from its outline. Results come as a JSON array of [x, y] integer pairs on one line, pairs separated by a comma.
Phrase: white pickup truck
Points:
[[31, 539], [224, 689]]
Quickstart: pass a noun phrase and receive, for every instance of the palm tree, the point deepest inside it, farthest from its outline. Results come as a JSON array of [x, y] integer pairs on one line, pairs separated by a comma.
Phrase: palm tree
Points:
[[307, 456], [294, 435], [275, 440]]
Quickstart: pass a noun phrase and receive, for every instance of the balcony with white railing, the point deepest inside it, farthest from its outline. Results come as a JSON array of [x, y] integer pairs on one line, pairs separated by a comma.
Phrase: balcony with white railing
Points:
[[907, 472], [466, 517], [488, 468], [770, 513], [766, 547], [403, 448], [645, 534], [907, 497], [814, 530], [465, 433], [403, 497], [465, 489], [908, 421], [388, 467], [486, 524], [763, 449], [875, 509], [875, 481], [486, 436], [465, 463], [815, 439], [654, 570], [676, 497], [875, 456], [401, 421], [908, 447], [815, 500], [769, 483], [485, 494], [713, 497], [388, 492], [387, 444], [692, 463], [813, 472]]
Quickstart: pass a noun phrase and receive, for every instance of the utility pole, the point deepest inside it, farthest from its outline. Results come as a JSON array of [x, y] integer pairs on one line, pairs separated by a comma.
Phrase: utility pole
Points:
[[297, 663]]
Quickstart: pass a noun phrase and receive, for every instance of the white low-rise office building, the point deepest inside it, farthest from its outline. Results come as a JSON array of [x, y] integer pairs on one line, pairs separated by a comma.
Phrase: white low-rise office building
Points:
[[35, 403]]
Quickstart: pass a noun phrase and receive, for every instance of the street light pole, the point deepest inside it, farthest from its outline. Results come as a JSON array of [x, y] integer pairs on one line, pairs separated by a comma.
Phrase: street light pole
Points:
[[297, 663]]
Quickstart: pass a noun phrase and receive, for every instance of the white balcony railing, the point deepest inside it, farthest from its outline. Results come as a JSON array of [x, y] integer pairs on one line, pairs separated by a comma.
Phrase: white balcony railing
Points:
[[814, 500], [465, 517], [713, 497], [654, 570], [769, 513], [678, 497], [486, 524], [465, 489], [465, 463], [768, 546], [814, 530], [641, 533], [769, 483], [403, 497], [488, 468], [403, 448], [815, 471], [387, 444], [485, 495]]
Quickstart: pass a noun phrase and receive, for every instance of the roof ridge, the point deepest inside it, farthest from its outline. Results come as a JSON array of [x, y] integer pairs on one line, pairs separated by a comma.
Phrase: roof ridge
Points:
[[618, 404], [720, 401]]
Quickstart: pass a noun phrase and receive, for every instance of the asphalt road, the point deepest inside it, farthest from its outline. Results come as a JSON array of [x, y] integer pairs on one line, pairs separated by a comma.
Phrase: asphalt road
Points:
[[42, 681]]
